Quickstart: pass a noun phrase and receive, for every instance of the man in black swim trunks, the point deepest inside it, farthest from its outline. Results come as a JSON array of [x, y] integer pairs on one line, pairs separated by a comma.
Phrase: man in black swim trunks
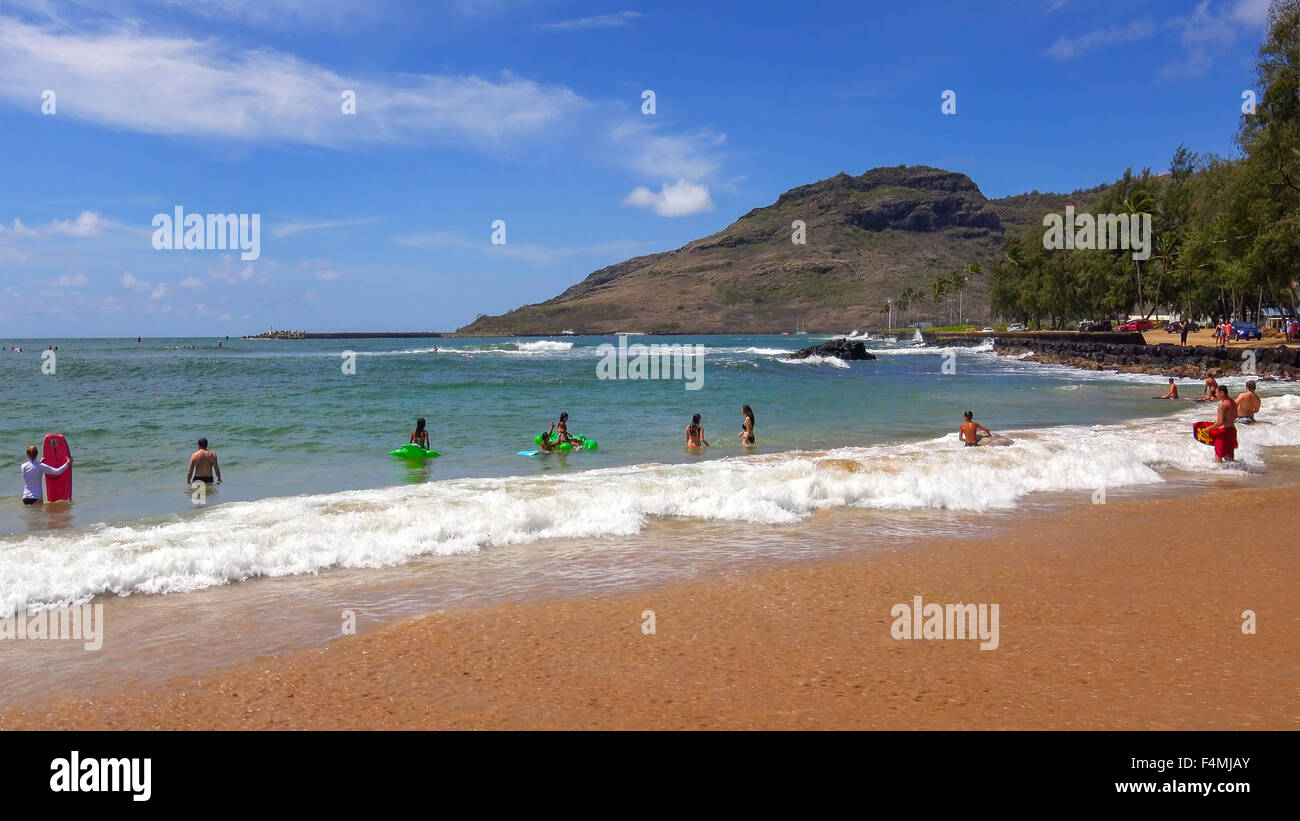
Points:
[[203, 464], [969, 430]]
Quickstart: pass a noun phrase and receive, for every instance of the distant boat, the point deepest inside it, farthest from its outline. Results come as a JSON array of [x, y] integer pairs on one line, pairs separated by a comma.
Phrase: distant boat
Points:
[[567, 332], [799, 329]]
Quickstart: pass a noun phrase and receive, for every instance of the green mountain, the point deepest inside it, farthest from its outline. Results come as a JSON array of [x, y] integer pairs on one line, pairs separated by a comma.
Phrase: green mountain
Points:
[[867, 239]]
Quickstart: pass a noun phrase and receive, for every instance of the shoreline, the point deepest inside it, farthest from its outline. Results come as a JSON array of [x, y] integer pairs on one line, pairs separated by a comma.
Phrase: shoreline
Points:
[[1099, 629]]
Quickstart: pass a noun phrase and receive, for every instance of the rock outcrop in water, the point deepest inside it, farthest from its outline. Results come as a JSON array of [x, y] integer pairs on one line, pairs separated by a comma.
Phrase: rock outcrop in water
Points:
[[839, 348]]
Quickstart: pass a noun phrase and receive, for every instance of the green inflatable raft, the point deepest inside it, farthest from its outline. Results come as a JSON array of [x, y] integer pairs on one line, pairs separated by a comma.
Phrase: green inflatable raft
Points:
[[583, 442], [414, 452]]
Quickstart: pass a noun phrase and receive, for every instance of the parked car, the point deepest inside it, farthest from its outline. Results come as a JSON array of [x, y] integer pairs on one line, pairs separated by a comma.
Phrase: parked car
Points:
[[1138, 325], [1176, 327], [1094, 325], [1017, 327], [987, 331], [1246, 330]]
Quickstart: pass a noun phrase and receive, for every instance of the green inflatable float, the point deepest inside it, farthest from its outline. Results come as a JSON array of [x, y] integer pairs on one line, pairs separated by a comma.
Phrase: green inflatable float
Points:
[[583, 442], [414, 452]]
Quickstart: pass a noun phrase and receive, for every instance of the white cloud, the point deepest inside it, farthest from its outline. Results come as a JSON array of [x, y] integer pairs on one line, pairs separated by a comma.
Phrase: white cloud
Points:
[[178, 86], [680, 199], [1250, 12], [1066, 48], [72, 281], [161, 291], [191, 282], [140, 286], [327, 275], [87, 224], [288, 229], [650, 152], [231, 274], [599, 21]]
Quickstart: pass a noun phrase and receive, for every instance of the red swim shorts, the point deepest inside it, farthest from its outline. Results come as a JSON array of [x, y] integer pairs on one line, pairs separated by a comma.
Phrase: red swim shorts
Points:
[[1225, 442]]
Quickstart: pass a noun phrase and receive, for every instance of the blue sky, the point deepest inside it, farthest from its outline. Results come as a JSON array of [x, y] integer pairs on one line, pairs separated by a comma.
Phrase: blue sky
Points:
[[530, 112]]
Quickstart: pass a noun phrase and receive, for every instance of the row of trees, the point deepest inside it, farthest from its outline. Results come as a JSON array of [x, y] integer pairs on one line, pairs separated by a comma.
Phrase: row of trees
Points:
[[1226, 231], [940, 293]]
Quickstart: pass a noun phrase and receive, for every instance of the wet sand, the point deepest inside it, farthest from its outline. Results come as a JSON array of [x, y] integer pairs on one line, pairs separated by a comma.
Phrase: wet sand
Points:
[[1104, 622]]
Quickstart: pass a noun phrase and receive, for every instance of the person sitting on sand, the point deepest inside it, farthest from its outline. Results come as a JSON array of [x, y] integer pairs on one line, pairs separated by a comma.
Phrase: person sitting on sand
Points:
[[1224, 432], [969, 430], [747, 426], [33, 470], [1172, 393], [695, 433], [1247, 404], [203, 464]]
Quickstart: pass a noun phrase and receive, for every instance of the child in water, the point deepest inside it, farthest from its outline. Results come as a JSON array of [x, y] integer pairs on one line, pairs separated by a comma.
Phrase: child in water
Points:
[[420, 436]]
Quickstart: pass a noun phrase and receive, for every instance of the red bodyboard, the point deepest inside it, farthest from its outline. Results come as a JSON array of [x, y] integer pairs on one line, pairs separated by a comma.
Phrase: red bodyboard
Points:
[[56, 453]]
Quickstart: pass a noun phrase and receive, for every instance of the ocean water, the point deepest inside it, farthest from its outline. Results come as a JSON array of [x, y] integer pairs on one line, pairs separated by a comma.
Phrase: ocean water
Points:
[[310, 487]]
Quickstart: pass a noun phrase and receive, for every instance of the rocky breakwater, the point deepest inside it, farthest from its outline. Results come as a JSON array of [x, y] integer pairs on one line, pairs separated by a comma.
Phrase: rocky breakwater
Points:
[[841, 348], [1265, 362]]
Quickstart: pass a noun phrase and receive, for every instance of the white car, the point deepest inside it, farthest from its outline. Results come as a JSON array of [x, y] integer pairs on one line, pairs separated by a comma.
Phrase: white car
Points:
[[1017, 327], [987, 331]]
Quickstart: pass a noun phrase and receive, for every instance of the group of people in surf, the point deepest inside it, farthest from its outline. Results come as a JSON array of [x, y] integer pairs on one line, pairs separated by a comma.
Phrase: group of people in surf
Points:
[[1222, 432], [695, 430], [558, 433]]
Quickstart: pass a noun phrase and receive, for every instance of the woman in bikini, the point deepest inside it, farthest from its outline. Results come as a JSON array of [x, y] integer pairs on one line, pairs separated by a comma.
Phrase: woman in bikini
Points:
[[695, 433], [747, 426]]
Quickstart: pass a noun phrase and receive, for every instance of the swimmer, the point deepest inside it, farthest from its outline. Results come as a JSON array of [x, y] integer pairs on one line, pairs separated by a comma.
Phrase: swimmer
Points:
[[203, 465], [1172, 393], [969, 430], [1247, 404], [747, 426], [420, 436], [695, 433]]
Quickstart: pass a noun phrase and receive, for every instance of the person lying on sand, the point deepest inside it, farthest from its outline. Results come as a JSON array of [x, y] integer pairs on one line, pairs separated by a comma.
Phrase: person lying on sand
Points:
[[969, 430], [1172, 393], [1247, 404]]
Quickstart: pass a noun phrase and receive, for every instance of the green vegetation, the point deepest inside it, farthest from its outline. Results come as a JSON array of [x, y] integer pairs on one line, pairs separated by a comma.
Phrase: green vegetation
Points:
[[1226, 231]]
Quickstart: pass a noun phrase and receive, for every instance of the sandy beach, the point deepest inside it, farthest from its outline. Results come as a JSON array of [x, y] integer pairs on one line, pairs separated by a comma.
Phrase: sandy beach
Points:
[[1106, 621]]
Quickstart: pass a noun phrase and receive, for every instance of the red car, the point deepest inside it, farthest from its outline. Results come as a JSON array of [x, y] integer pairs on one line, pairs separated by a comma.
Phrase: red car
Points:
[[1138, 325]]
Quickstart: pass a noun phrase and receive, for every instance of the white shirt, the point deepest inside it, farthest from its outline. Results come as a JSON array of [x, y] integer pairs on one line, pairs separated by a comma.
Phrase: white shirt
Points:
[[33, 469]]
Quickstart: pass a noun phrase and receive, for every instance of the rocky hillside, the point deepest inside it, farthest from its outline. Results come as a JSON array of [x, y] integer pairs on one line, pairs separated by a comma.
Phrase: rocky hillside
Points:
[[868, 238]]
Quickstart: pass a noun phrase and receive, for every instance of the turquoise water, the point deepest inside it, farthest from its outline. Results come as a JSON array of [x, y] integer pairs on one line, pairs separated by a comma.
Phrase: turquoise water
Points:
[[285, 419], [309, 484]]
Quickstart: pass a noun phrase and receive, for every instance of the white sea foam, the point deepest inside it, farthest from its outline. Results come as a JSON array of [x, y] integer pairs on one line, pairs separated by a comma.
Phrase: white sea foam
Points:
[[542, 345], [833, 361], [387, 526]]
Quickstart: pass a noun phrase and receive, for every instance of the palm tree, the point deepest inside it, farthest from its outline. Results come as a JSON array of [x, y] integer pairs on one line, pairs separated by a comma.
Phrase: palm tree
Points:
[[1138, 202]]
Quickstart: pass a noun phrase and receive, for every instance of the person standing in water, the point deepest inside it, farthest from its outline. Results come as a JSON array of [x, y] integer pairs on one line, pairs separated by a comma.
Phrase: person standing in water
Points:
[[420, 436], [1224, 430], [203, 466], [33, 470], [969, 430], [1247, 404], [747, 426], [695, 433]]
